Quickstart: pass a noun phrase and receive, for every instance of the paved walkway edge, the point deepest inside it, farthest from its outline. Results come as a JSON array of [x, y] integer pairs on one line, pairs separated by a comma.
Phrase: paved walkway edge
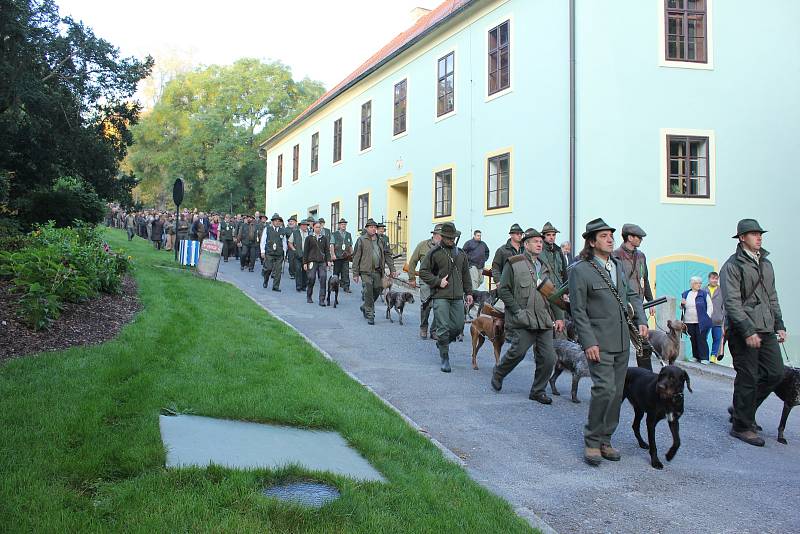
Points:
[[523, 512]]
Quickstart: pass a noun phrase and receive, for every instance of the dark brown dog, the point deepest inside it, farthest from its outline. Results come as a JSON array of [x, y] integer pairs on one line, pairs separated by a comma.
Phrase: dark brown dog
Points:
[[489, 325], [668, 345], [333, 287], [659, 396], [396, 300]]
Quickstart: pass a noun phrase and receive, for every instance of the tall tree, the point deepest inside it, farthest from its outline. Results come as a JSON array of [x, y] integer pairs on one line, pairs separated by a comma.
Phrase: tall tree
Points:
[[64, 102], [206, 128]]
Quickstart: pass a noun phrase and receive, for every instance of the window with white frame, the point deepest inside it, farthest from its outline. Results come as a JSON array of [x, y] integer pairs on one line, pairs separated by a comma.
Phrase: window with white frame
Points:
[[445, 86], [315, 152], [279, 181], [366, 125], [443, 194], [400, 106], [498, 181], [688, 167], [686, 30], [363, 210], [337, 140], [499, 75]]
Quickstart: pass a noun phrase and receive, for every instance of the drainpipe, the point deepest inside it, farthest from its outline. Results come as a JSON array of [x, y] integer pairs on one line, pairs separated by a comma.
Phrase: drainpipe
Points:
[[572, 134]]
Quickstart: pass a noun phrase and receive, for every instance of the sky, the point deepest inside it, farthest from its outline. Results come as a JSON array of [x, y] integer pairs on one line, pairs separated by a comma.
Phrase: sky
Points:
[[322, 39]]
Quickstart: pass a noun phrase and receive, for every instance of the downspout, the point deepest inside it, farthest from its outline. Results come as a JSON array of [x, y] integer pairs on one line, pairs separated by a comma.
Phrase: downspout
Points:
[[572, 134]]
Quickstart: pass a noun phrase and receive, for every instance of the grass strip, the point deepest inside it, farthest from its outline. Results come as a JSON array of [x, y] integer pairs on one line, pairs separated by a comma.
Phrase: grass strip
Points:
[[80, 442]]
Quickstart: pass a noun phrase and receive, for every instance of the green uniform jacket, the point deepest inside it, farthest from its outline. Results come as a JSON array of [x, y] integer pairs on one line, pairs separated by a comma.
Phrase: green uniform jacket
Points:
[[342, 244], [386, 244], [555, 263], [742, 278], [419, 252], [515, 289], [444, 261], [500, 258], [273, 246], [226, 231], [248, 234], [597, 316], [363, 259], [635, 265]]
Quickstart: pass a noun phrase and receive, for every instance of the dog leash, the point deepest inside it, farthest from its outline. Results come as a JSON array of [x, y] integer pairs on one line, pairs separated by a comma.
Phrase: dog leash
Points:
[[636, 338]]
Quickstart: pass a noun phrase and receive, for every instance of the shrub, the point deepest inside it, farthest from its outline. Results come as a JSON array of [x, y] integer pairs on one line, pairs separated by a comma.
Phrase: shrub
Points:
[[69, 199], [59, 265]]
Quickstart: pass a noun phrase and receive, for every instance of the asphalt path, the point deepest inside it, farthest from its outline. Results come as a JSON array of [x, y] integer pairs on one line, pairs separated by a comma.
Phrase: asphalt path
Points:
[[531, 454]]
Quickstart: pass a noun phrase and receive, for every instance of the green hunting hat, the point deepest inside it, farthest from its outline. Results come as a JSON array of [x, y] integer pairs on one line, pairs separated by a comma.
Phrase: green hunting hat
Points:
[[633, 229], [549, 228], [276, 216], [596, 225], [437, 228], [304, 221], [381, 224], [370, 222], [342, 221], [531, 232], [748, 225], [293, 218], [321, 220], [449, 231], [516, 229]]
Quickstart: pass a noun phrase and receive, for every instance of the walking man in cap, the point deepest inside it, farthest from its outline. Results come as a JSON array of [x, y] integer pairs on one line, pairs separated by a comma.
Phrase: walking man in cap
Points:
[[512, 247], [754, 326], [325, 231], [478, 253], [341, 252], [272, 252], [290, 255], [369, 261], [446, 270], [552, 256], [247, 238], [599, 294], [426, 303], [529, 316], [634, 267]]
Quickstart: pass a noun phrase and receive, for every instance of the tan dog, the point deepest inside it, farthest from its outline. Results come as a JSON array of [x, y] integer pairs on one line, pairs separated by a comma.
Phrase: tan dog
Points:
[[489, 325], [668, 345]]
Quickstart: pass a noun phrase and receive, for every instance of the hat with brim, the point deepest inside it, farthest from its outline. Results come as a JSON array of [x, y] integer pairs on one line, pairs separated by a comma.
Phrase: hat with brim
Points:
[[529, 233], [292, 218], [548, 228], [449, 231], [437, 228], [370, 222], [275, 216], [381, 224], [321, 220], [633, 229], [748, 225], [304, 221], [516, 229], [596, 225], [342, 221]]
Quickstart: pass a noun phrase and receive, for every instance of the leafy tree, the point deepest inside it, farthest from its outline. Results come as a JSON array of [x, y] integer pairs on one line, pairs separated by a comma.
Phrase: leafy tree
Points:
[[206, 128], [64, 103]]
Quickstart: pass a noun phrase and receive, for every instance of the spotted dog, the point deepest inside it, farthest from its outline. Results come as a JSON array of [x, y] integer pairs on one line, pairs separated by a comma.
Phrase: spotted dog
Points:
[[396, 300]]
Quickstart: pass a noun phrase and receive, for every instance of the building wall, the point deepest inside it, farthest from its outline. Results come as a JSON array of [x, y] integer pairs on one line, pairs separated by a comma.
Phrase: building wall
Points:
[[749, 100]]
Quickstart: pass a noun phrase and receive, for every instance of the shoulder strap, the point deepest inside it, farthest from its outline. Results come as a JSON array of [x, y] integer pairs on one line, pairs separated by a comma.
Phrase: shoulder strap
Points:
[[746, 296], [637, 339]]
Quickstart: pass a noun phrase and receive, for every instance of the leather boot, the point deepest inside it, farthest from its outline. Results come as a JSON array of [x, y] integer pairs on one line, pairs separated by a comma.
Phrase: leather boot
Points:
[[423, 332], [446, 363]]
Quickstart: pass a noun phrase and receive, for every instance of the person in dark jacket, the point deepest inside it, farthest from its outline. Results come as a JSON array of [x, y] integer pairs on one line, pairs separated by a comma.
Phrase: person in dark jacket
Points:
[[370, 259], [697, 309], [634, 261], [512, 247], [478, 254], [552, 256], [248, 240], [754, 327], [272, 254], [446, 270], [316, 260], [717, 315], [157, 232]]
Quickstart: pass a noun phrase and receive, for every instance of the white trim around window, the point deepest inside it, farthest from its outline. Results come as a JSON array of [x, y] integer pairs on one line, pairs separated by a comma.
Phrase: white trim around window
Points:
[[511, 63], [439, 55], [712, 167], [408, 107], [662, 38]]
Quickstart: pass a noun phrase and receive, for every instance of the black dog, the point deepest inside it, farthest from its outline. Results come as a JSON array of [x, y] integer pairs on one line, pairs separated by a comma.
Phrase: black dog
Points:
[[333, 287], [396, 300], [789, 392], [659, 396]]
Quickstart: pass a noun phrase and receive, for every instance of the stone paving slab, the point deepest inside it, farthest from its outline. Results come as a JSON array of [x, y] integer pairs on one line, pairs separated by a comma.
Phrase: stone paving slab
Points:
[[532, 454], [199, 441]]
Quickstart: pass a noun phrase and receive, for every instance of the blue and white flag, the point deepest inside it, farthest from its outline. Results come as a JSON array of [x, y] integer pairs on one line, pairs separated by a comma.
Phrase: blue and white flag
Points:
[[189, 252]]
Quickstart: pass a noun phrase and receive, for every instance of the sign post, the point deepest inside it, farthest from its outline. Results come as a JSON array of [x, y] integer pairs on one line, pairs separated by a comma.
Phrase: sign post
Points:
[[177, 197]]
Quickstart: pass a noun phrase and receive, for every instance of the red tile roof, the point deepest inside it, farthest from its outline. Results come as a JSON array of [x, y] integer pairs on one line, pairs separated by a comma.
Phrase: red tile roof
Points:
[[425, 23]]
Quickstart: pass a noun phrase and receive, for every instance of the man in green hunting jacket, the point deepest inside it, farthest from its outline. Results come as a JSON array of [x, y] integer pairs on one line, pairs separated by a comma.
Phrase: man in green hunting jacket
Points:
[[272, 253], [552, 256], [754, 326], [426, 302], [341, 252], [247, 237], [446, 270], [227, 235], [369, 261], [603, 333], [512, 247], [529, 317]]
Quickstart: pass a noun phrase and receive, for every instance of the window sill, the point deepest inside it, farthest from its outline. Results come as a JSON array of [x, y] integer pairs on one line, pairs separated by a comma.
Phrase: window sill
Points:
[[314, 173], [498, 94], [691, 65], [368, 149], [497, 211], [443, 219], [710, 201], [336, 164], [400, 135], [445, 116]]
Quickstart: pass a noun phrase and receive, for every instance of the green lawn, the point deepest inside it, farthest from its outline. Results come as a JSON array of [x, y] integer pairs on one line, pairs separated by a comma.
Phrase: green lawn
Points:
[[80, 448]]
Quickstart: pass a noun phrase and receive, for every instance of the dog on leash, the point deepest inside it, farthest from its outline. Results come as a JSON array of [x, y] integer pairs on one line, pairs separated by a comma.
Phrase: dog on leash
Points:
[[667, 345], [333, 287], [788, 390], [660, 396], [396, 300]]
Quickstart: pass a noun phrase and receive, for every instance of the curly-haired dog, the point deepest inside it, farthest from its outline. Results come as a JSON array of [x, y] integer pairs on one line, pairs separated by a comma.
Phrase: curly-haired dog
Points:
[[659, 396], [667, 345], [333, 287], [396, 300], [788, 390]]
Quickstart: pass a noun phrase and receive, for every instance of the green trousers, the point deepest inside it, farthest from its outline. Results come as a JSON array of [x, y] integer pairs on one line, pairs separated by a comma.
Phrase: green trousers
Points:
[[448, 319], [758, 373], [521, 340], [608, 384], [273, 265], [371, 287]]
